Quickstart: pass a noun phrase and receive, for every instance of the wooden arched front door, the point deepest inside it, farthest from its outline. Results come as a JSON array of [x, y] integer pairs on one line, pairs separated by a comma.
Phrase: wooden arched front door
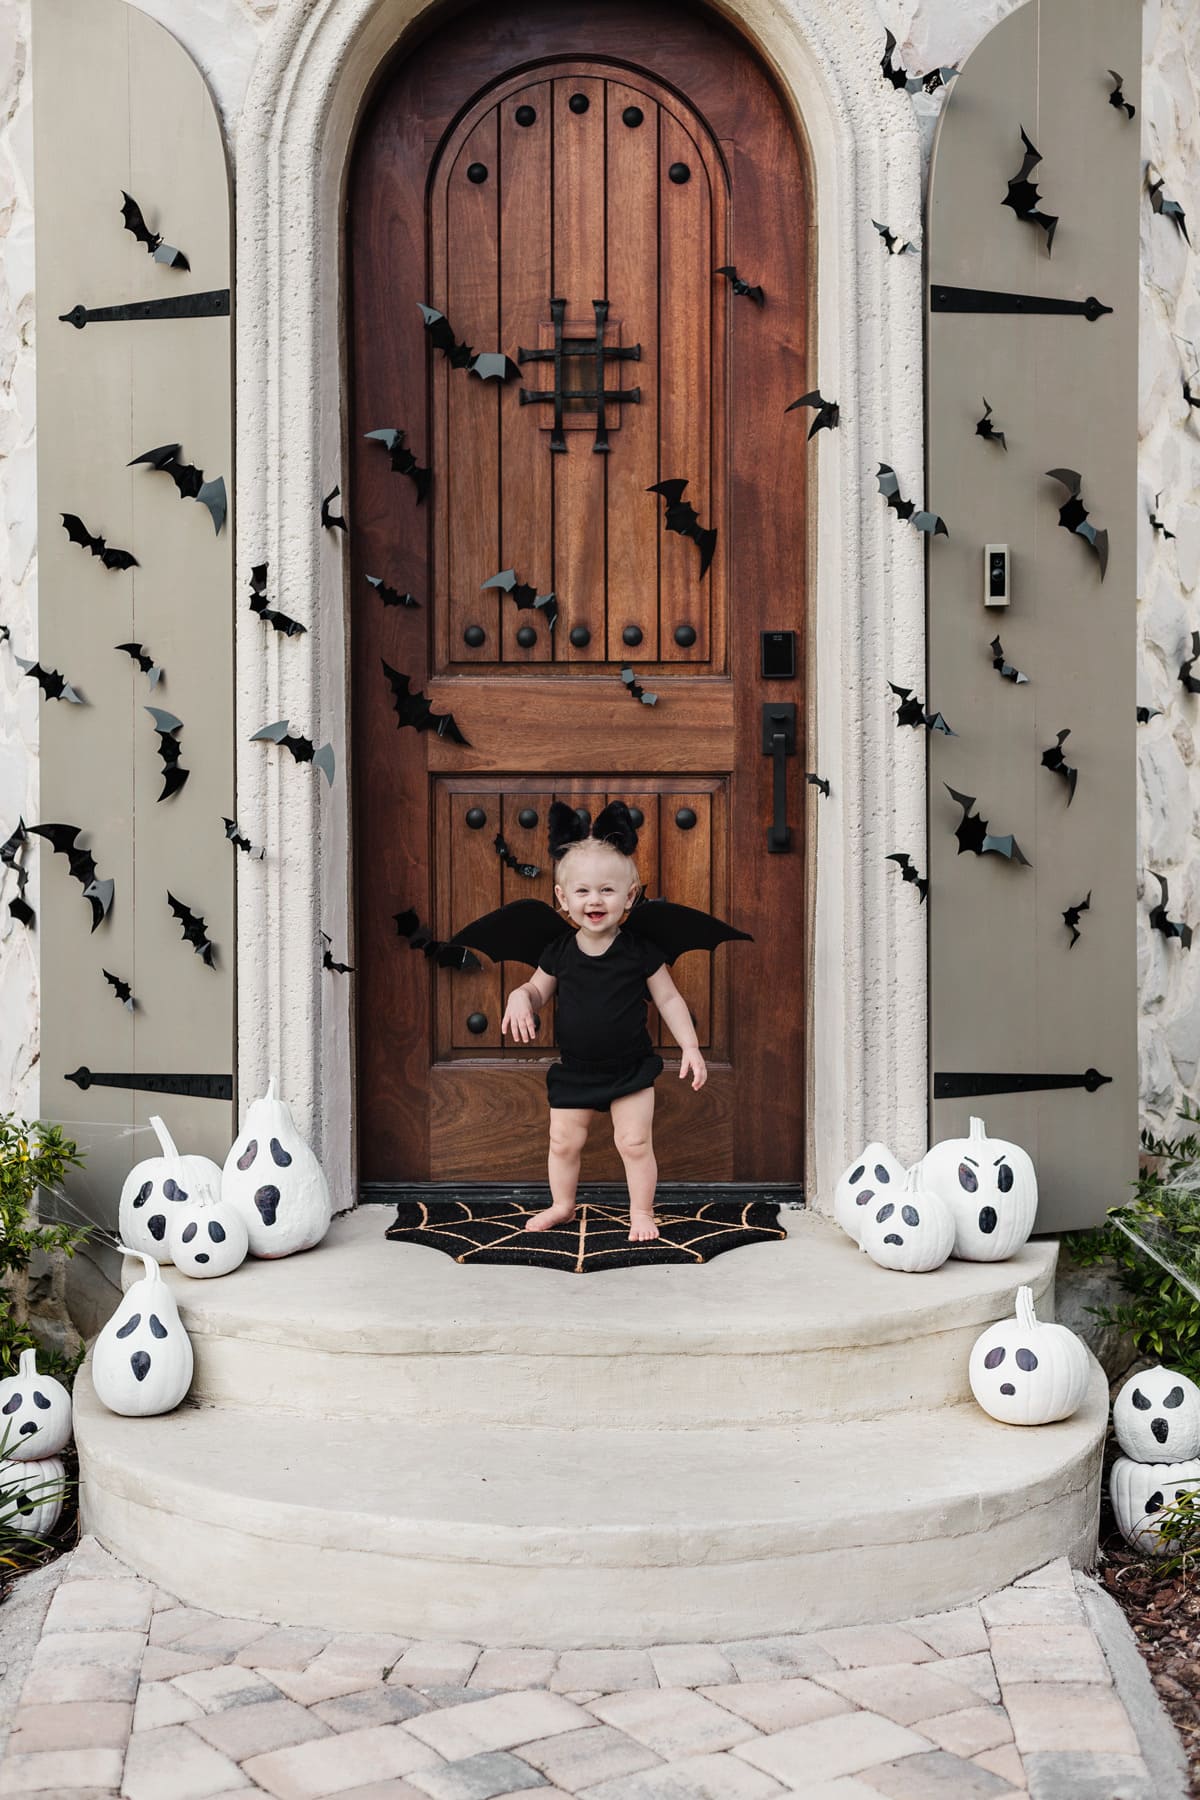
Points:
[[562, 184]]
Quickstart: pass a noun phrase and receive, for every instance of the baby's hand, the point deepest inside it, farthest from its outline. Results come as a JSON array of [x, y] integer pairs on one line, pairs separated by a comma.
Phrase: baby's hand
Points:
[[519, 1017], [692, 1061]]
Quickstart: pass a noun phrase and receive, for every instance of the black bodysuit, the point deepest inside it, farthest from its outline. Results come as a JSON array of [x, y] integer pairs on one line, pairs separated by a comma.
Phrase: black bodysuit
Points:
[[600, 1015]]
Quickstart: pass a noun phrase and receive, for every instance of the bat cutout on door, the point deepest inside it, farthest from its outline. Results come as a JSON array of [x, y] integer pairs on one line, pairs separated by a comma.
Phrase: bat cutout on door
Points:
[[911, 712], [240, 841], [523, 596], [327, 962], [1054, 760], [332, 521], [889, 487], [1191, 682], [899, 76], [1073, 515], [420, 937], [121, 989], [909, 871], [12, 856], [1117, 97], [416, 709], [145, 662], [195, 931], [1004, 668], [817, 781], [78, 533], [1156, 524], [738, 285], [53, 685], [973, 834], [682, 517], [828, 414], [489, 365], [529, 870], [1170, 928], [258, 604], [891, 241], [1072, 915], [389, 595], [189, 480], [985, 429], [82, 865], [135, 222], [1023, 195], [403, 460], [1162, 203], [301, 749], [635, 687], [170, 749]]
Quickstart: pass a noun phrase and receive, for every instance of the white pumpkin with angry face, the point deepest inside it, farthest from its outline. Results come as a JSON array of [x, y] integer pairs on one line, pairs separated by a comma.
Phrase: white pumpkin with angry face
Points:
[[990, 1187], [913, 1231], [142, 1360], [1141, 1492], [871, 1177], [275, 1182], [153, 1188], [35, 1413], [1024, 1372], [1156, 1415]]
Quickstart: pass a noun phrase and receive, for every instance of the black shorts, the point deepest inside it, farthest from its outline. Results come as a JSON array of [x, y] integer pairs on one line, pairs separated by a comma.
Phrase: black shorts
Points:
[[574, 1082]]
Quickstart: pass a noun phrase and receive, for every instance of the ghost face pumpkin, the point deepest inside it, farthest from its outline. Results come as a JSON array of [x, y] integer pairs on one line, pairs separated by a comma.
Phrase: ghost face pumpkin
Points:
[[275, 1182], [913, 1231], [1156, 1416], [142, 1360], [871, 1179], [1141, 1491], [990, 1187], [207, 1236], [35, 1413], [153, 1187], [1023, 1372], [31, 1495]]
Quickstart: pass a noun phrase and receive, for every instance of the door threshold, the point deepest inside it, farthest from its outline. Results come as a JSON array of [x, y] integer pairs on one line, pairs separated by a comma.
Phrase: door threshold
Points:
[[599, 1193]]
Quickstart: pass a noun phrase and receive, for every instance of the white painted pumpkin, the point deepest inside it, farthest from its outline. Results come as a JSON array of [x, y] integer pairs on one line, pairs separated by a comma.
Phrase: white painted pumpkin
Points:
[[275, 1182], [912, 1231], [1026, 1373], [1156, 1415], [1139, 1491], [990, 1187], [142, 1360], [31, 1495], [152, 1187], [207, 1235], [35, 1413], [870, 1177]]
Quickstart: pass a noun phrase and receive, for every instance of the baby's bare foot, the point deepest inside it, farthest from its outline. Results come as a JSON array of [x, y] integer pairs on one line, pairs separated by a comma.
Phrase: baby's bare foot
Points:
[[552, 1216], [642, 1227]]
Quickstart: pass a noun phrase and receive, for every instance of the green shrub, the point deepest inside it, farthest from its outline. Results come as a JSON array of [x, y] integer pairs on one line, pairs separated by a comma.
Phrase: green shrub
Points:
[[33, 1157]]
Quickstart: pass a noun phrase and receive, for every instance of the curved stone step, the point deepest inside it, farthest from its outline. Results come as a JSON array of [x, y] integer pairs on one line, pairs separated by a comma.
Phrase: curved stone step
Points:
[[509, 1535], [805, 1329]]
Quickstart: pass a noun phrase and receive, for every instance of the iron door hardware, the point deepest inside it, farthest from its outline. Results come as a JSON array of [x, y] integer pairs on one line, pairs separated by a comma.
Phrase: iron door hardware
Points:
[[955, 1086], [198, 1087], [779, 742], [600, 354], [213, 305], [988, 300]]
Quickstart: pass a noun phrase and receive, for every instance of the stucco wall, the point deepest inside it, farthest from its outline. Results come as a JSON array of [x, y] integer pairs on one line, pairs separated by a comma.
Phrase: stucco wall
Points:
[[223, 35]]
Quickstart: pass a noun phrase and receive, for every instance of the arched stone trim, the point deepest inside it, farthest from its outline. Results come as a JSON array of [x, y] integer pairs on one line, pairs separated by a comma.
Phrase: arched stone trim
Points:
[[868, 1061]]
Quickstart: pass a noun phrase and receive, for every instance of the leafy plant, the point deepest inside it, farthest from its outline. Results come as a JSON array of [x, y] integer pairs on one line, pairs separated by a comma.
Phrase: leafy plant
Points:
[[1178, 1529], [33, 1157]]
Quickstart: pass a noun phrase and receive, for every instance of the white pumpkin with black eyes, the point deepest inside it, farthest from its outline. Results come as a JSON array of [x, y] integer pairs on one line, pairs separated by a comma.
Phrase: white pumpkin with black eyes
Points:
[[1024, 1372], [871, 1177], [990, 1187], [142, 1360], [32, 1495], [913, 1231], [1140, 1492], [153, 1187], [35, 1413], [1157, 1415], [275, 1182], [207, 1235]]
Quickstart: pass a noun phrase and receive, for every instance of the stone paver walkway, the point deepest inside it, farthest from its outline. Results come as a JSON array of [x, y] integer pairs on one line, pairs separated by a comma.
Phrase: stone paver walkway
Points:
[[132, 1694]]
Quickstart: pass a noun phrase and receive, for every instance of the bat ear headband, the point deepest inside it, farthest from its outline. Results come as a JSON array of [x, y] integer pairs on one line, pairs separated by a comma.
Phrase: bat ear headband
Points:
[[613, 826]]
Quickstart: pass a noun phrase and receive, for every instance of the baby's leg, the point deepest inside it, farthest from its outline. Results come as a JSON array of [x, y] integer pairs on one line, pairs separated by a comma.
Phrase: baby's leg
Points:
[[633, 1118], [568, 1134]]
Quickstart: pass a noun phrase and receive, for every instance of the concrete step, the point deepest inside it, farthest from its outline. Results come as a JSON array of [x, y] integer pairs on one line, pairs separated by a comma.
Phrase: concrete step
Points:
[[802, 1330], [546, 1536]]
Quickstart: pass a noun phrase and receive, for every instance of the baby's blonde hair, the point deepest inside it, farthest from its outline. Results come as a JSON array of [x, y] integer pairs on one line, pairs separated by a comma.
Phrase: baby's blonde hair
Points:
[[592, 845]]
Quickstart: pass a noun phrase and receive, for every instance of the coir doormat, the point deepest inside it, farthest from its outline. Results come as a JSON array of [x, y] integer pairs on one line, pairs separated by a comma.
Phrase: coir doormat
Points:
[[493, 1231]]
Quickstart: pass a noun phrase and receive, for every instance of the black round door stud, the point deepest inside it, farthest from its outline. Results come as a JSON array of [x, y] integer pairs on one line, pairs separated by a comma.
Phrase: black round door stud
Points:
[[631, 635], [638, 817], [525, 115], [526, 636], [633, 116], [679, 173], [579, 103], [477, 173], [685, 636], [476, 818], [685, 818], [474, 635], [476, 1023], [581, 637], [527, 817]]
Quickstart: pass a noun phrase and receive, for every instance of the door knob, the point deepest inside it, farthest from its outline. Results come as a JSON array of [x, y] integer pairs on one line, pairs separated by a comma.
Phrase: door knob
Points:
[[779, 742]]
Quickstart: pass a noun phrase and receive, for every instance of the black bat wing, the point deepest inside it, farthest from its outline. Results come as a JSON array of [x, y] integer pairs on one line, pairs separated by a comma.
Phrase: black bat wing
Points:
[[131, 212], [195, 931], [674, 929], [518, 932], [81, 863], [78, 533]]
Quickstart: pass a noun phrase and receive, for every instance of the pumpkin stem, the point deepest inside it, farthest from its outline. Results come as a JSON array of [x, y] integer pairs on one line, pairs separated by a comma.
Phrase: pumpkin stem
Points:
[[27, 1363], [1026, 1317], [164, 1137], [153, 1272], [910, 1180], [270, 1093], [977, 1130]]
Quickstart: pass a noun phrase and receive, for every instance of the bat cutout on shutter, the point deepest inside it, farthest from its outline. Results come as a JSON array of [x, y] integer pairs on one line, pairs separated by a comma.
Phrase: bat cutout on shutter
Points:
[[170, 749], [1170, 928], [1072, 916], [911, 712], [1004, 668], [135, 222], [188, 480], [268, 615], [145, 662], [389, 595], [828, 414], [1162, 203], [973, 834], [12, 856], [78, 533], [908, 870], [416, 709], [891, 240], [403, 460], [985, 429], [682, 517], [899, 77], [195, 931], [53, 685], [889, 487], [1023, 195], [1117, 98], [420, 937], [82, 866], [529, 870], [738, 285], [301, 749], [331, 520], [1054, 760], [240, 841], [1073, 515], [524, 597], [121, 989], [327, 962]]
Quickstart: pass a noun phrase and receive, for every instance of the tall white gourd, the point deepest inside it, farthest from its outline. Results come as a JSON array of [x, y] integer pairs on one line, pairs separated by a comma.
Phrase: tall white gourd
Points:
[[990, 1187], [1024, 1372], [871, 1179], [142, 1360], [154, 1187], [275, 1181], [35, 1413]]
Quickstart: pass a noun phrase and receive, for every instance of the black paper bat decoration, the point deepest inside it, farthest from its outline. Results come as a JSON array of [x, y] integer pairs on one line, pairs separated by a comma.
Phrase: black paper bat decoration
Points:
[[1023, 195], [828, 415], [739, 286], [195, 931], [78, 533], [1156, 523], [909, 871], [681, 516], [131, 212], [301, 749], [529, 870], [144, 661], [389, 595], [1073, 515], [489, 365], [634, 686], [524, 596], [973, 834], [122, 990], [1054, 760], [12, 852], [911, 712], [900, 77], [240, 841], [327, 962], [1072, 916], [1003, 668], [493, 365], [82, 865], [1191, 682], [420, 937], [985, 429], [170, 749], [890, 240], [331, 520], [1192, 399], [1146, 713], [5, 634], [53, 685], [188, 480], [416, 709], [889, 486], [1170, 928], [402, 458], [1170, 209], [817, 781], [268, 614], [1117, 98], [520, 931]]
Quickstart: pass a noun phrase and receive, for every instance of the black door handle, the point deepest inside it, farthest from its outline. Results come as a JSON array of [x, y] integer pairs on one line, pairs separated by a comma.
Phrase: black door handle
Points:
[[779, 742]]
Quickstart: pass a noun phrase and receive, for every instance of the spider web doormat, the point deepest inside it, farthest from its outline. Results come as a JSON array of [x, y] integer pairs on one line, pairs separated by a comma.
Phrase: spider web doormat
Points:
[[493, 1231]]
